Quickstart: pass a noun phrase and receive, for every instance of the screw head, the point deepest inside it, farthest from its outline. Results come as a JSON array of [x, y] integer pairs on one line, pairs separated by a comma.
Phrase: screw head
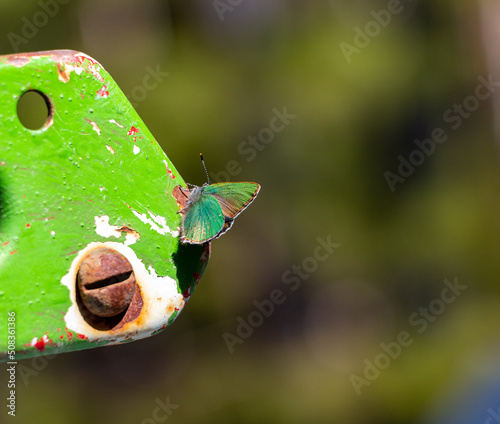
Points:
[[106, 282]]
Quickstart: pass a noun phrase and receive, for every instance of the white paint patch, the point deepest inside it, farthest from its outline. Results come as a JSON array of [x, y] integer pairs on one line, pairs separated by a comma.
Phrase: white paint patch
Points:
[[116, 123], [95, 127], [53, 233], [136, 149], [152, 271], [160, 298], [157, 223], [110, 149], [101, 188], [34, 341], [131, 238], [104, 229]]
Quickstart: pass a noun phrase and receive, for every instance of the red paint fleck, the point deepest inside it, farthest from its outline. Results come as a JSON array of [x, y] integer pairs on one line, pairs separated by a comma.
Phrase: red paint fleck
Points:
[[81, 336], [103, 92], [82, 95], [81, 58], [95, 73], [176, 309], [14, 251], [133, 130], [93, 67], [2, 163], [6, 243], [28, 225], [40, 345], [61, 337], [70, 335], [196, 275], [204, 257], [187, 293], [170, 173]]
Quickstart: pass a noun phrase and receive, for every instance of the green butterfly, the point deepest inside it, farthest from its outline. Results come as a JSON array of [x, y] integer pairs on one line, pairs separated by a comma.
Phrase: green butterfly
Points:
[[212, 208]]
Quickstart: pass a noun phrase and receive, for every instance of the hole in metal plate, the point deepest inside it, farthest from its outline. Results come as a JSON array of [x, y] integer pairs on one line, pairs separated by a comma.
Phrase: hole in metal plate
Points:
[[34, 110]]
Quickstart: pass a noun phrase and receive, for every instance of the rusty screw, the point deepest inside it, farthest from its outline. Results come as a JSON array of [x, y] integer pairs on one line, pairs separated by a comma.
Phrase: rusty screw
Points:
[[106, 282]]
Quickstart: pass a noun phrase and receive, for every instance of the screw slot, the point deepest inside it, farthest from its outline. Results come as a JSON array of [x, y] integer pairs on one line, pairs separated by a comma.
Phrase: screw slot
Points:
[[108, 281]]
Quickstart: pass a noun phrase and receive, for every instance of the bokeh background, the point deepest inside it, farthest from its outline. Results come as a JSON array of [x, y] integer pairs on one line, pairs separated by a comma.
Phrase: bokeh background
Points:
[[358, 102]]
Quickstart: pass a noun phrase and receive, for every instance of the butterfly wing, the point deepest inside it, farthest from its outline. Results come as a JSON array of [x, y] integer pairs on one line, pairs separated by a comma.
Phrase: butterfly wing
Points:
[[203, 220], [233, 198]]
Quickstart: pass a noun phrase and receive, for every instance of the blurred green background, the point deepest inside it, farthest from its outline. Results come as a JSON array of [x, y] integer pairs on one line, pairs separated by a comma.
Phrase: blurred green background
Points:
[[358, 102]]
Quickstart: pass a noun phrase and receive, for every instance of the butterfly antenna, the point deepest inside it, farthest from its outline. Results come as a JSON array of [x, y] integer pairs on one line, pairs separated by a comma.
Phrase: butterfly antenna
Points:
[[204, 167]]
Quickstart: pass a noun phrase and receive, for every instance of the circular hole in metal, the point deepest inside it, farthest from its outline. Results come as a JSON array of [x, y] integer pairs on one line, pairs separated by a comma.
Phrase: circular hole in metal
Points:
[[34, 110]]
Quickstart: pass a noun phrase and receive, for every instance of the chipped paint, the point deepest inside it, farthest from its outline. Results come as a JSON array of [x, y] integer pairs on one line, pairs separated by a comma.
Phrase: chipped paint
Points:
[[133, 130], [131, 238], [94, 67], [20, 61], [160, 299], [102, 92], [95, 127], [104, 229], [187, 294], [116, 123], [64, 70], [136, 149], [39, 344], [169, 172], [157, 223]]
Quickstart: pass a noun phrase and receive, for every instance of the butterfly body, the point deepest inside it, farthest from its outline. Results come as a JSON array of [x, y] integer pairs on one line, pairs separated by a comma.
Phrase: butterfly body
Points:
[[211, 209]]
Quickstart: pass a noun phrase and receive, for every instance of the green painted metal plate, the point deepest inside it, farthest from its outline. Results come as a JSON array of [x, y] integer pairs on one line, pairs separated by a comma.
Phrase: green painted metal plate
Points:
[[92, 176]]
